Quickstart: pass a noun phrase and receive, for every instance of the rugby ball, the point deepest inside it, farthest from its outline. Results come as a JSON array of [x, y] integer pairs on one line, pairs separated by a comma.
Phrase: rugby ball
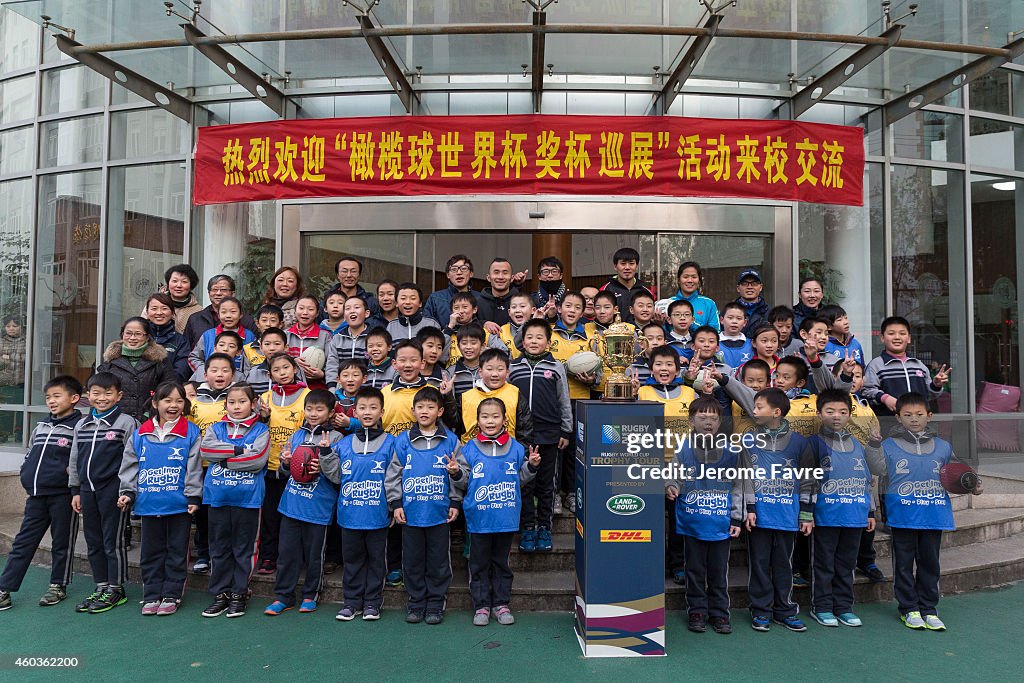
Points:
[[314, 356], [957, 477], [582, 363], [702, 379], [302, 458]]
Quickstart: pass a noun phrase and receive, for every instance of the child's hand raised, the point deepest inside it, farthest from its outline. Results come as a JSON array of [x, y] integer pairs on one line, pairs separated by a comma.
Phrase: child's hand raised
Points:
[[534, 457], [634, 379], [447, 384], [811, 350], [341, 420], [492, 327], [452, 465], [264, 409], [849, 363], [286, 455], [693, 368], [942, 376]]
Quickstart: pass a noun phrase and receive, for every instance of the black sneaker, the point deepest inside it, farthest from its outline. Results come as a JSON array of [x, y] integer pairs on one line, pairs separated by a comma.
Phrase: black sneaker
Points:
[[218, 606], [873, 573], [112, 597], [434, 618], [5, 600], [236, 606], [698, 623], [414, 616], [721, 625], [93, 597]]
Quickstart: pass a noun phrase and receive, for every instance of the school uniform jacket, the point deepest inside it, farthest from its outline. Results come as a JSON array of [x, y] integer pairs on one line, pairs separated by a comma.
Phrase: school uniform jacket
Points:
[[451, 354], [161, 470], [380, 376], [300, 340], [545, 388], [44, 472], [98, 448], [406, 327], [888, 375], [344, 346], [204, 347], [237, 451]]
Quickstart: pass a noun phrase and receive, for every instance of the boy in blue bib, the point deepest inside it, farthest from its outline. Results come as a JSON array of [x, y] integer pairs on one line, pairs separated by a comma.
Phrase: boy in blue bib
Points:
[[917, 510], [708, 512], [778, 506], [363, 508], [489, 471], [843, 508], [306, 508], [419, 495]]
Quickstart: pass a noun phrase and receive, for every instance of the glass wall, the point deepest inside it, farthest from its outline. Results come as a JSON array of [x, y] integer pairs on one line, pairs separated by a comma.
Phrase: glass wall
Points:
[[15, 247]]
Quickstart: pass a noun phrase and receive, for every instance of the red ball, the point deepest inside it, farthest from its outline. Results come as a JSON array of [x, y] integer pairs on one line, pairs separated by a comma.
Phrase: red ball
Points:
[[302, 458], [957, 477]]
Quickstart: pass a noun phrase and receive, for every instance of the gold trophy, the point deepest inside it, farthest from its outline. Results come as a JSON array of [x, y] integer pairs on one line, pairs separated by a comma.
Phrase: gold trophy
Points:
[[617, 348]]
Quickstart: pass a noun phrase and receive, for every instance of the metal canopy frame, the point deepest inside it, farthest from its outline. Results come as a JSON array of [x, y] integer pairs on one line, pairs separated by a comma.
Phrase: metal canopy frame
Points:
[[943, 85], [258, 87], [684, 69], [537, 49], [389, 64], [162, 97], [823, 86]]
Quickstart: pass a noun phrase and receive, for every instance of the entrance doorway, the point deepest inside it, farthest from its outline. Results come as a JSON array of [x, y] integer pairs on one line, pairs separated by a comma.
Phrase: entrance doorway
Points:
[[412, 240]]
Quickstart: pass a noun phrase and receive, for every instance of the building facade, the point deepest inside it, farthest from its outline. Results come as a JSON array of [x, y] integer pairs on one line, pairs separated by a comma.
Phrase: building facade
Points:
[[95, 181]]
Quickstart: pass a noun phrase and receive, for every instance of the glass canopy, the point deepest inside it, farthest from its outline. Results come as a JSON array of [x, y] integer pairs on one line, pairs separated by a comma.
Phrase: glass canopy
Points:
[[780, 45]]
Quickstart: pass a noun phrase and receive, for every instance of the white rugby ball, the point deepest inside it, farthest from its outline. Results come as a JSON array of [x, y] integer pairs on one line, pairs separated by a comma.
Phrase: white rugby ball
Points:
[[314, 356], [703, 377], [582, 363]]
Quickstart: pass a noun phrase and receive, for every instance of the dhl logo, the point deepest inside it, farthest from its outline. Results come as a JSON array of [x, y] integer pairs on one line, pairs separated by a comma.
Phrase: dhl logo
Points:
[[621, 536], [579, 528]]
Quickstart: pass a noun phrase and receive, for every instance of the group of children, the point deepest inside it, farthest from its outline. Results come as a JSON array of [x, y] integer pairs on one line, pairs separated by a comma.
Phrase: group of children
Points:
[[401, 432]]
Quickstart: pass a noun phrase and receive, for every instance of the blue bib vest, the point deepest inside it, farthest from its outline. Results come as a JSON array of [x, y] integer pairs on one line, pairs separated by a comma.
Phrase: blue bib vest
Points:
[[777, 498], [914, 497], [229, 488], [363, 503], [493, 498], [704, 506], [311, 502], [425, 481], [844, 493], [735, 357], [162, 467]]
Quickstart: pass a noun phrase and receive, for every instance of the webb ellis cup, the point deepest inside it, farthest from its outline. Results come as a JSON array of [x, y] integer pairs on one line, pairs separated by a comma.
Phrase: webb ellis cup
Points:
[[617, 349]]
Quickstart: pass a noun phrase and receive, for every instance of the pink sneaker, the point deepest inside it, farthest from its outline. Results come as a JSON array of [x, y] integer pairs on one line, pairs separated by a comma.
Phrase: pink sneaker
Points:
[[168, 606], [150, 608]]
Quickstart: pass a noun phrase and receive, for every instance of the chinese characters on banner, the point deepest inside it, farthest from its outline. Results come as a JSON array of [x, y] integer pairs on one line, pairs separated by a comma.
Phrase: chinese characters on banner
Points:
[[530, 154]]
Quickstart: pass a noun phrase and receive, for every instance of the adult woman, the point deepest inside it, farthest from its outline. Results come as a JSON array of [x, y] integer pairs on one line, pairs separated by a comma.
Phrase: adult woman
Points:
[[181, 280], [160, 313], [284, 291], [691, 280], [139, 363], [811, 293]]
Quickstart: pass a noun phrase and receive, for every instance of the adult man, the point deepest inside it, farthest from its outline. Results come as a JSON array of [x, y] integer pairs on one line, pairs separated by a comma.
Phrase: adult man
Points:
[[549, 295], [459, 270], [493, 301], [348, 270], [749, 287], [624, 284], [219, 287]]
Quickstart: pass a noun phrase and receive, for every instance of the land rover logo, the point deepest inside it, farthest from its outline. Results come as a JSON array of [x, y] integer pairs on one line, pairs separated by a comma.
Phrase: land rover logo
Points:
[[625, 504]]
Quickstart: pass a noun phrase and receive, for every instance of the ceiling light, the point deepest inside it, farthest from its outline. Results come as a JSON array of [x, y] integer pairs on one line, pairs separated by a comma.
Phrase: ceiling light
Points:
[[1007, 186]]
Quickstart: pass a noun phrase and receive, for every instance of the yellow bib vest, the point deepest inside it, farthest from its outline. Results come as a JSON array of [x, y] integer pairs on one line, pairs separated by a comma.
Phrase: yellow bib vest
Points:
[[562, 349], [398, 416], [284, 421], [509, 340], [509, 395], [677, 410]]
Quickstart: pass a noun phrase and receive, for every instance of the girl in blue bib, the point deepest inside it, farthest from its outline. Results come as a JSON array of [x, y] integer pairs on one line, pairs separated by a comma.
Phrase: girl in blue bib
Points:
[[162, 477], [490, 471], [237, 448]]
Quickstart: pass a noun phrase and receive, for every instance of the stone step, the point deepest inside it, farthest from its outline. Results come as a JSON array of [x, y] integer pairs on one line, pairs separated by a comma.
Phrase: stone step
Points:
[[987, 550]]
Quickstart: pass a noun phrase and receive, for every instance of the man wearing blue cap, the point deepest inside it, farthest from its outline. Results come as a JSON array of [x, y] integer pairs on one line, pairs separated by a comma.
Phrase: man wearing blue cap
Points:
[[749, 286]]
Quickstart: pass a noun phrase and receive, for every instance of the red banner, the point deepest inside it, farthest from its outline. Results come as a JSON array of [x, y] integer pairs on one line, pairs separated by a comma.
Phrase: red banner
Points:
[[530, 154]]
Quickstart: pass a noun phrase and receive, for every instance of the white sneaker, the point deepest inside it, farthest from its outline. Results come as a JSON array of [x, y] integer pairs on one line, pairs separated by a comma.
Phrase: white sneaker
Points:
[[556, 505], [933, 623], [570, 503]]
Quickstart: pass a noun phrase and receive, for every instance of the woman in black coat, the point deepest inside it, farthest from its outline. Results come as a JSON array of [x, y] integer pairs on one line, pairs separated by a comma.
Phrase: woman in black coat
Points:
[[139, 363], [160, 313]]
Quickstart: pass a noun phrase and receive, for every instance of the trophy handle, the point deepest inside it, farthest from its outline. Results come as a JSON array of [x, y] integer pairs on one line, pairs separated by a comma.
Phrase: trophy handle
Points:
[[602, 346]]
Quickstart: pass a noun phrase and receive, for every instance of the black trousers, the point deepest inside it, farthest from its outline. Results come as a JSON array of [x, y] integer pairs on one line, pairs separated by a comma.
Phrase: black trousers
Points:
[[866, 553], [302, 544], [802, 556], [42, 513], [707, 577], [834, 557], [916, 548], [543, 487], [365, 554], [270, 521], [234, 536], [770, 582], [103, 524], [395, 547], [567, 461], [202, 537], [675, 553], [427, 566], [333, 552], [163, 558], [490, 578]]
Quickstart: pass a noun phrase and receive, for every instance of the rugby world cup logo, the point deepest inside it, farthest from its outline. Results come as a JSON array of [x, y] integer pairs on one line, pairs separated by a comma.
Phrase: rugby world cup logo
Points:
[[611, 434]]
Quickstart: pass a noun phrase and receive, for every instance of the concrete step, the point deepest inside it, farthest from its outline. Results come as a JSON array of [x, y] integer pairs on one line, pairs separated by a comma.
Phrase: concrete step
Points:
[[987, 550]]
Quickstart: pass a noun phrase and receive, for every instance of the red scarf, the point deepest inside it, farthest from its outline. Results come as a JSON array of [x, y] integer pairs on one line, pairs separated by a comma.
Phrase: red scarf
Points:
[[287, 389], [500, 439]]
